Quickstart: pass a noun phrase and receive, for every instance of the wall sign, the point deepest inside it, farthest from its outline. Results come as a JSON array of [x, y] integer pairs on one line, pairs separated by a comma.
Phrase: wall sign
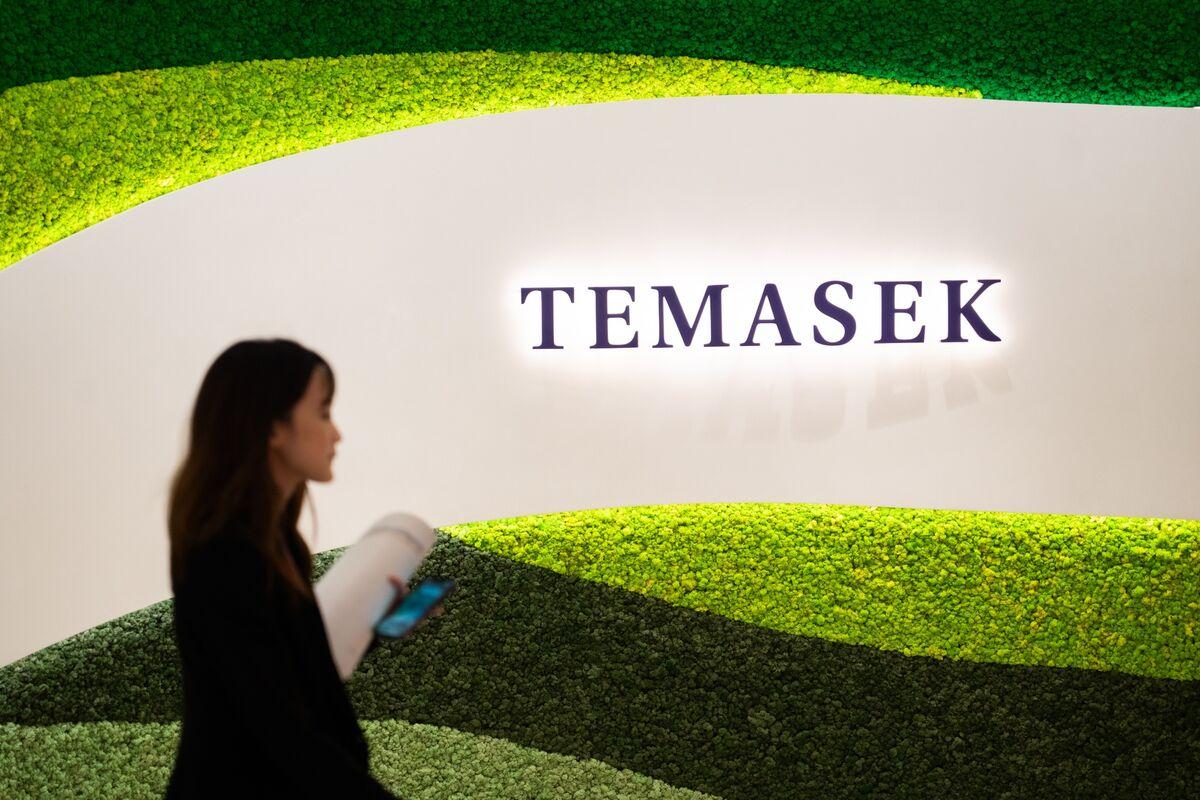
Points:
[[687, 323]]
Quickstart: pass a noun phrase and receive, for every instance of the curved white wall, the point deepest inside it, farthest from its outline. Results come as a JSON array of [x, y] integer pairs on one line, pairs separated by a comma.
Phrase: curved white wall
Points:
[[401, 257]]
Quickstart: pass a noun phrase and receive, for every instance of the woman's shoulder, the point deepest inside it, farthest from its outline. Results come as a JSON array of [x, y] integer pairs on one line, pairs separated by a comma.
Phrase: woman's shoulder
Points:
[[229, 559]]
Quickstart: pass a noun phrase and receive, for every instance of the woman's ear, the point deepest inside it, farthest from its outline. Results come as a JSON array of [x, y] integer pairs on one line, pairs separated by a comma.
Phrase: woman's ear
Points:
[[279, 431]]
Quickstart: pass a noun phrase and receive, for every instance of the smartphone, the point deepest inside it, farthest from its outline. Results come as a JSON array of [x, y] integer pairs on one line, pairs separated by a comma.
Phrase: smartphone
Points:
[[415, 607]]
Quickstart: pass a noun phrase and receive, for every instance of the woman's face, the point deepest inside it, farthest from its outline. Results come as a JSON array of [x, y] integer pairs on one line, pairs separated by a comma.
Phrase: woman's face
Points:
[[304, 449]]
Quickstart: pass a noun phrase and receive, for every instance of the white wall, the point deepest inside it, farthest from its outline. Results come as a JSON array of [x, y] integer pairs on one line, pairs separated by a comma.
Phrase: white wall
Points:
[[400, 257]]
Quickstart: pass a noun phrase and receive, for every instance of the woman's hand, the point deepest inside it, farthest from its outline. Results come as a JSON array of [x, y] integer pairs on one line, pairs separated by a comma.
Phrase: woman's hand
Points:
[[402, 591]]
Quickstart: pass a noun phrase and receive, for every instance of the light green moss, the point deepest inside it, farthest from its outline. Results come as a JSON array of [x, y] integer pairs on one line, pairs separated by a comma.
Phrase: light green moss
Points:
[[127, 761], [1115, 593], [74, 152]]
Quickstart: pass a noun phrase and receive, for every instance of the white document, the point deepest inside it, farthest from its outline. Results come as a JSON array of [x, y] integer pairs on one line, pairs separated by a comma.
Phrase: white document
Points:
[[355, 592]]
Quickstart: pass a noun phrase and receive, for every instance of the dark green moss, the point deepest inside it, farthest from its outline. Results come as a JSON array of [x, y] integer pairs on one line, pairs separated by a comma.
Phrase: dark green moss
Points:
[[691, 698], [1100, 52]]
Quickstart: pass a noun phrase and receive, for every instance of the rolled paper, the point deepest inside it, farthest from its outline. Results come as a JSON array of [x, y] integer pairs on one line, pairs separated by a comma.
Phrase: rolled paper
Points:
[[355, 592]]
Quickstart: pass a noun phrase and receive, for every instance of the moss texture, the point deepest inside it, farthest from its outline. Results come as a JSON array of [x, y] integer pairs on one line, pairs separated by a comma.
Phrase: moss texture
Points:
[[1109, 593], [1107, 51], [696, 699], [132, 760], [75, 152], [79, 152]]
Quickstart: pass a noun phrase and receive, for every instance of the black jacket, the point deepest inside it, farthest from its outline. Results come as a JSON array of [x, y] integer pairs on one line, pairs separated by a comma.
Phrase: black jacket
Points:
[[265, 713]]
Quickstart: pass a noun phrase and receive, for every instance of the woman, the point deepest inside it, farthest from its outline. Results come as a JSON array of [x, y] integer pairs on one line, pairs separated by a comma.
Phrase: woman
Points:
[[265, 712]]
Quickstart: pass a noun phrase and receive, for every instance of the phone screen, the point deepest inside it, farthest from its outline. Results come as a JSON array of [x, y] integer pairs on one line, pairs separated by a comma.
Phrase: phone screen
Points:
[[416, 605]]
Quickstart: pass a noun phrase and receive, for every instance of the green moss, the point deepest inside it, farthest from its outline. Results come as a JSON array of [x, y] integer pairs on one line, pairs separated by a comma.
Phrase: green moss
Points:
[[576, 667], [172, 114], [129, 760], [1105, 51], [571, 666], [1113, 593], [75, 152]]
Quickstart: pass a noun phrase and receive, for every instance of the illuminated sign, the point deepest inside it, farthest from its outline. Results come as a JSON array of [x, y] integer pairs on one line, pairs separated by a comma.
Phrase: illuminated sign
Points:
[[956, 312]]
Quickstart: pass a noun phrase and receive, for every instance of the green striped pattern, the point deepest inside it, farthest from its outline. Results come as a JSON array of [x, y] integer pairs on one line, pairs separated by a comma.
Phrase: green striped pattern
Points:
[[105, 108], [724, 702], [1110, 593]]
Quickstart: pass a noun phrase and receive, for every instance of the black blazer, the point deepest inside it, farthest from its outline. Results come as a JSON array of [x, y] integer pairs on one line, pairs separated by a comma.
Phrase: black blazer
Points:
[[265, 712]]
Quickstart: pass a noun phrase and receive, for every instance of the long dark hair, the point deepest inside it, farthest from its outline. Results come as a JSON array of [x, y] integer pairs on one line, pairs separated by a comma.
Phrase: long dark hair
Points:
[[225, 476]]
